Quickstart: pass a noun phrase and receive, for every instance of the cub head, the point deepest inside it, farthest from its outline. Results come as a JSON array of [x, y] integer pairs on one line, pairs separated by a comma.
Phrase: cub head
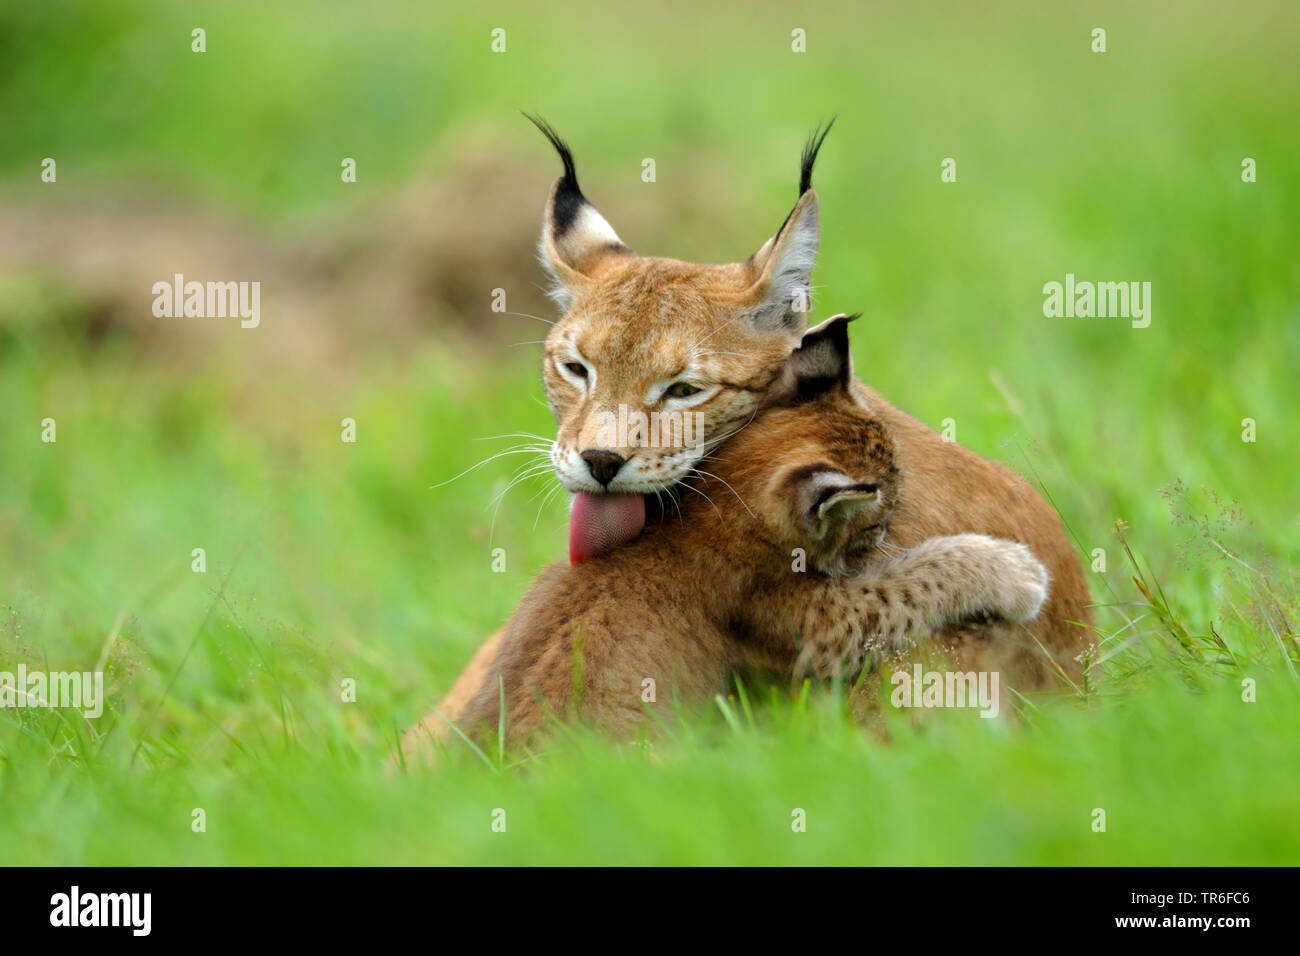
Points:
[[656, 361], [817, 471]]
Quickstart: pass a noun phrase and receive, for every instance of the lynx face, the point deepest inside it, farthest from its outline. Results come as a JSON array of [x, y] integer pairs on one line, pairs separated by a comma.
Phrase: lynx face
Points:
[[655, 362]]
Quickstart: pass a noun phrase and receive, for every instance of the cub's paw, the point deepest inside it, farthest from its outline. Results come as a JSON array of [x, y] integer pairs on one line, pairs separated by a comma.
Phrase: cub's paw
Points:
[[840, 657], [822, 659], [1020, 582]]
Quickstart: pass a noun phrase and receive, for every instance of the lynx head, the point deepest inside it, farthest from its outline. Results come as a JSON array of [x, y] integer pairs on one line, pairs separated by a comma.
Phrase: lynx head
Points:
[[656, 361], [816, 469]]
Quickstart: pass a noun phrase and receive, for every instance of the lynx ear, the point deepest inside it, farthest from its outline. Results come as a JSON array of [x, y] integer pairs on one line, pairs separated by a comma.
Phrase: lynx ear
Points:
[[822, 363], [575, 237], [826, 498], [784, 264]]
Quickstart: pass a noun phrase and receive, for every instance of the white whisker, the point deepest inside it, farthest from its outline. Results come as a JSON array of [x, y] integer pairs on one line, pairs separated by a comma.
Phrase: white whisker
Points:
[[527, 315], [517, 450], [707, 474]]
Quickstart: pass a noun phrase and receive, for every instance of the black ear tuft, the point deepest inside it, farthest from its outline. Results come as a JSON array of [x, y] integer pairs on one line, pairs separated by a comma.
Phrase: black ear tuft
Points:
[[810, 150], [568, 195]]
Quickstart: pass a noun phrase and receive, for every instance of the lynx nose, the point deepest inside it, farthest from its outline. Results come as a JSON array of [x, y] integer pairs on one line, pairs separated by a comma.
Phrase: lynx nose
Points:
[[604, 465]]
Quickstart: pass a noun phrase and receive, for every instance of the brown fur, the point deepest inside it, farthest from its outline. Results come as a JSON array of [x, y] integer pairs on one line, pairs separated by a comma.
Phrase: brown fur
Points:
[[639, 320], [677, 607], [949, 489]]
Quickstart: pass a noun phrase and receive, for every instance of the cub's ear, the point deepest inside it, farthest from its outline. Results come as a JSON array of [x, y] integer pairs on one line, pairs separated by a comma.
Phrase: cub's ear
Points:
[[822, 363], [827, 498], [782, 292], [575, 237]]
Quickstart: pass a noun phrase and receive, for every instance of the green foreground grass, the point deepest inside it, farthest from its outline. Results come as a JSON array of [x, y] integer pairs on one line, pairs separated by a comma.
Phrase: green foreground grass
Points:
[[328, 561]]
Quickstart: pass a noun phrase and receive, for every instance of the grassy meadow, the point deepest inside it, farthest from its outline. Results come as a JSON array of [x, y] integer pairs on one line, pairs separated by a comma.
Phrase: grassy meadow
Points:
[[327, 560]]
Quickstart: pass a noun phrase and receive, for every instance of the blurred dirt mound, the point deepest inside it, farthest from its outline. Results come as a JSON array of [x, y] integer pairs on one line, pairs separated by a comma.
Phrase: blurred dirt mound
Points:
[[421, 260]]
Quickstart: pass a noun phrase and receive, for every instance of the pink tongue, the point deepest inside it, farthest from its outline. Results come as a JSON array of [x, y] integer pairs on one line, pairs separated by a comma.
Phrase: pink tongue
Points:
[[601, 522]]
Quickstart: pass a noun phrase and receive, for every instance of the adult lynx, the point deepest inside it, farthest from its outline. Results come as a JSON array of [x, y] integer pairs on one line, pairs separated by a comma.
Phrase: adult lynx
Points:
[[772, 559]]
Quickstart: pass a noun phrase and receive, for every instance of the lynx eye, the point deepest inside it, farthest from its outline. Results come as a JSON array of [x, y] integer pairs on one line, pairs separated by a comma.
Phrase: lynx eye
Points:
[[577, 368], [682, 390]]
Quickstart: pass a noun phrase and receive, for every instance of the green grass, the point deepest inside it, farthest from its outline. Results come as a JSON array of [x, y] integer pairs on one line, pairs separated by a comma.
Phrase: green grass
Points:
[[328, 561]]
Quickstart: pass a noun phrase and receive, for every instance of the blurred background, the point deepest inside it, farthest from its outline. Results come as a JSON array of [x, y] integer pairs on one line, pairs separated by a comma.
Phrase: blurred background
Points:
[[328, 560]]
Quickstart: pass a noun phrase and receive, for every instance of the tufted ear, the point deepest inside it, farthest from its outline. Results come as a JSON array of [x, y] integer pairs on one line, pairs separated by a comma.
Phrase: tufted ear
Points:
[[822, 363], [784, 264], [575, 237]]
